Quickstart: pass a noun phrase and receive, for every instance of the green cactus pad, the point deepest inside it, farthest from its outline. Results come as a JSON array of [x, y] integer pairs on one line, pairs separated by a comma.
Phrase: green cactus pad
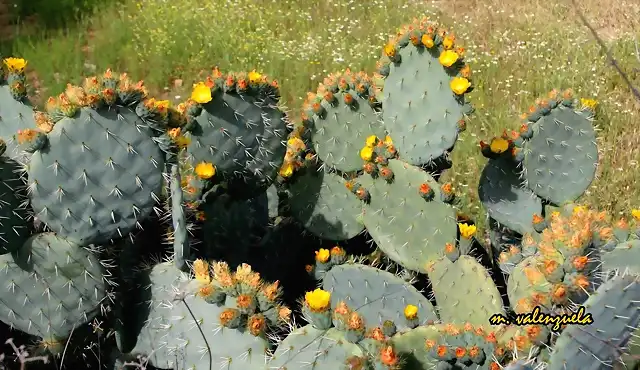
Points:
[[561, 158], [324, 205], [171, 338], [616, 315], [377, 295], [505, 197], [14, 115], [625, 258], [525, 280], [464, 291], [411, 346], [243, 134], [407, 228], [100, 175], [339, 130], [420, 110], [313, 349], [50, 287], [14, 224]]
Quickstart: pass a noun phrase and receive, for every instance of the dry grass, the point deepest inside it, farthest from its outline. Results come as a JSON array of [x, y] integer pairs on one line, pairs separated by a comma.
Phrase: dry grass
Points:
[[519, 49]]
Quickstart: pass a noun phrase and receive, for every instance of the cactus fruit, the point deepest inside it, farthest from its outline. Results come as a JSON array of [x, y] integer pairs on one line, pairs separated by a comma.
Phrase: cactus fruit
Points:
[[339, 115], [234, 123], [51, 287], [464, 291], [614, 310], [378, 296], [16, 112], [101, 172], [14, 225], [216, 319], [325, 206], [505, 197], [425, 81], [561, 156], [409, 229]]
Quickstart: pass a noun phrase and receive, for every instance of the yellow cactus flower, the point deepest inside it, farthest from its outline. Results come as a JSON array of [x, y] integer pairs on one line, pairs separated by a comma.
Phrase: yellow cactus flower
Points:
[[635, 213], [460, 85], [589, 103], [579, 209], [372, 140], [15, 65], [390, 50], [499, 145], [366, 153], [466, 230], [201, 93], [205, 170], [296, 143], [318, 300], [254, 77], [323, 255], [286, 170], [410, 312], [427, 41], [387, 140], [201, 271], [447, 43], [448, 58]]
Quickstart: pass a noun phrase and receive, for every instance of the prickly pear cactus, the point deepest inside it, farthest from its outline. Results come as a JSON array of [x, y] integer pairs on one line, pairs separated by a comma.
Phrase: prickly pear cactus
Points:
[[14, 224], [505, 197], [378, 296], [236, 125], [409, 225], [340, 115], [51, 287], [560, 151], [311, 348], [99, 172], [425, 81], [16, 112], [624, 258], [322, 203], [614, 310], [216, 320], [464, 291]]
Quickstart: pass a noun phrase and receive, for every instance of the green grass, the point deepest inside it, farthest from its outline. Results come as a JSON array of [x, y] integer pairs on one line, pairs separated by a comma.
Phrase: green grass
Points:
[[517, 55]]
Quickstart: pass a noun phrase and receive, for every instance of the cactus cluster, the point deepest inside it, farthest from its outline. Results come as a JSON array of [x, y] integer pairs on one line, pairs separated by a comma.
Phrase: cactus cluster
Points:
[[185, 236]]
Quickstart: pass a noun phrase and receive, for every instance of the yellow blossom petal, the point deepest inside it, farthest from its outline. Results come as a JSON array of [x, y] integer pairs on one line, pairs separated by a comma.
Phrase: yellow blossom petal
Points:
[[323, 255], [635, 213], [254, 77], [466, 230], [448, 58], [410, 312], [15, 65], [372, 140], [318, 300], [201, 93], [205, 170], [460, 85], [286, 170], [366, 153], [499, 145]]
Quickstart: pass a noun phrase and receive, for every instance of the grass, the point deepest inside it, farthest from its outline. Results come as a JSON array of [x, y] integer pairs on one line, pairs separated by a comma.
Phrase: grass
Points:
[[519, 50]]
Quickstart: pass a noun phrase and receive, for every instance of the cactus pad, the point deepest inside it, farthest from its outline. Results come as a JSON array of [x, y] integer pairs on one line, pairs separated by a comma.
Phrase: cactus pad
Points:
[[314, 349], [171, 336], [505, 197], [99, 176], [322, 203], [50, 287], [240, 130], [624, 258], [464, 291], [561, 157], [406, 227], [615, 313], [377, 295], [340, 115], [420, 110], [14, 229], [411, 346], [16, 113]]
